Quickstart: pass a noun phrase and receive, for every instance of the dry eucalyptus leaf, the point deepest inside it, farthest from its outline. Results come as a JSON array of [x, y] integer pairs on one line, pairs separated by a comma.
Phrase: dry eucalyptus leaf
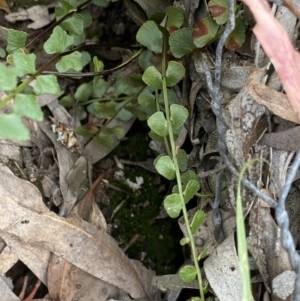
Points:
[[66, 161], [141, 10], [39, 14], [77, 174], [277, 45], [292, 206], [235, 77], [4, 6], [287, 19], [280, 163], [87, 209], [269, 255], [275, 101], [69, 162], [223, 272], [173, 282], [76, 241], [7, 260], [204, 236], [18, 189], [97, 218], [6, 291], [67, 282], [145, 277], [286, 140], [96, 151], [244, 126], [46, 99], [194, 90], [9, 151], [36, 259], [256, 240]]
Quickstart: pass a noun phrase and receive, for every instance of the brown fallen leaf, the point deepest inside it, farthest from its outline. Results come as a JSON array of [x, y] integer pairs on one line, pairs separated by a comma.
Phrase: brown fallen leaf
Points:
[[67, 282], [36, 259], [278, 47], [270, 259], [78, 242], [4, 6], [275, 101], [286, 140], [19, 189], [84, 208]]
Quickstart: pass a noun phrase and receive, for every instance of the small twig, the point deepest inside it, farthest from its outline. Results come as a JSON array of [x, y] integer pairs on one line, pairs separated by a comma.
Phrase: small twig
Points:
[[35, 289], [204, 174], [132, 241], [116, 210], [22, 293], [85, 203]]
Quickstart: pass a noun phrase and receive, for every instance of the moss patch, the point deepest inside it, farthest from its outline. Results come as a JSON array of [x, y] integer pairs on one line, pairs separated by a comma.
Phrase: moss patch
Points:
[[135, 148], [158, 239], [137, 216]]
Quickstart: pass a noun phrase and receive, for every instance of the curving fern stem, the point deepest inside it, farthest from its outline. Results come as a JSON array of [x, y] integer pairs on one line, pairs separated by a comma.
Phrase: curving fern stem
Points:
[[178, 176], [281, 214]]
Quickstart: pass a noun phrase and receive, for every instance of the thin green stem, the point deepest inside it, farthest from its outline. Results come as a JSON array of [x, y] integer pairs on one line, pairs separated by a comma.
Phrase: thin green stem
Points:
[[166, 142], [24, 84], [177, 171], [92, 74], [126, 102], [123, 105]]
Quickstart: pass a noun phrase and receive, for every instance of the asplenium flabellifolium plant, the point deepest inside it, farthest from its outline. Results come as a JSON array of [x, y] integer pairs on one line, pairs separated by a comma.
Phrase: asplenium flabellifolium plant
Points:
[[165, 124]]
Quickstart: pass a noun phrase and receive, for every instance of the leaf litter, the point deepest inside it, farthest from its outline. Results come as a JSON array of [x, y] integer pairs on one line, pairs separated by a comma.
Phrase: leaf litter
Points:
[[72, 253]]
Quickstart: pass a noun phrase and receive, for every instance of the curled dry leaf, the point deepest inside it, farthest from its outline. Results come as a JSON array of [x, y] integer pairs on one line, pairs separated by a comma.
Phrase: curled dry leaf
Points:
[[66, 162], [278, 47], [39, 14], [275, 101], [4, 6]]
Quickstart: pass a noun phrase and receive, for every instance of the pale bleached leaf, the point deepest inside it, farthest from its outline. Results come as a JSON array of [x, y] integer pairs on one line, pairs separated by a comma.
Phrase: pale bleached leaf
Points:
[[6, 290], [223, 272], [76, 241]]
